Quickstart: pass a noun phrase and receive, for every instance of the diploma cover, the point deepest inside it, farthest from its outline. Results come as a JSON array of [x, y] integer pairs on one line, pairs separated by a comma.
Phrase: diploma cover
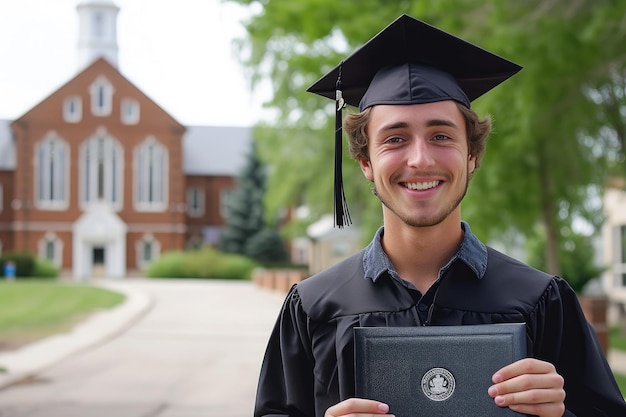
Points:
[[436, 371]]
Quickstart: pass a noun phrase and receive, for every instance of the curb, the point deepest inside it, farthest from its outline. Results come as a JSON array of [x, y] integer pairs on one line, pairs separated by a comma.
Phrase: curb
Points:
[[100, 327]]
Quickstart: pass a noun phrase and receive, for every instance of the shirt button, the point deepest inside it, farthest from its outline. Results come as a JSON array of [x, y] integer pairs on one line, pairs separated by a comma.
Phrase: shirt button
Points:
[[423, 307]]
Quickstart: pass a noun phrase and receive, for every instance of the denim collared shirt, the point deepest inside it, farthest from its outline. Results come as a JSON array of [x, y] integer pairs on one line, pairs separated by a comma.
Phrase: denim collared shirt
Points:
[[472, 252]]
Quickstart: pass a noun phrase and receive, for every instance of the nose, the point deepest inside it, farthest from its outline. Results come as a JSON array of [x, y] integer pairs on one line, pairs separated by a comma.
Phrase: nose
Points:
[[419, 154]]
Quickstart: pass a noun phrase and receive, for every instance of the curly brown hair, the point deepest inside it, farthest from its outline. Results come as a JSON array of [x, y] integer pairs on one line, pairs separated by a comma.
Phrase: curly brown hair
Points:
[[355, 124]]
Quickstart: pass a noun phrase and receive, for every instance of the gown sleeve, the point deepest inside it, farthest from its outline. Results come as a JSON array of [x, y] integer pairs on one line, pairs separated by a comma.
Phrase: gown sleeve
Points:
[[286, 385], [563, 336]]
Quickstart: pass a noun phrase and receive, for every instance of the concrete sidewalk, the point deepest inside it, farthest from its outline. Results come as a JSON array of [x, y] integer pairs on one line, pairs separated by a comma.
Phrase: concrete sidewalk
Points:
[[34, 358], [101, 327], [617, 360]]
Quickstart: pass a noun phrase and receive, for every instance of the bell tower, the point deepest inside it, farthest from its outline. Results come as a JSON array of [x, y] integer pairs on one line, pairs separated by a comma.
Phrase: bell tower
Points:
[[97, 32]]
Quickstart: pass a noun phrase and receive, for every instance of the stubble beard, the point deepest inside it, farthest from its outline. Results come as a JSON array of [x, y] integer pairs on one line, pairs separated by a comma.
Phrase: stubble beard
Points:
[[419, 220]]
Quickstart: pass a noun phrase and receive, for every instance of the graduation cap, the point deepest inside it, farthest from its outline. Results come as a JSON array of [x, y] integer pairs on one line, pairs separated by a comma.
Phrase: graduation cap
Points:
[[408, 62]]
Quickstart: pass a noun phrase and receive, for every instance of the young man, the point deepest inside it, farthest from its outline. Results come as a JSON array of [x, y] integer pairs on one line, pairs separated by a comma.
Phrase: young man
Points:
[[417, 140]]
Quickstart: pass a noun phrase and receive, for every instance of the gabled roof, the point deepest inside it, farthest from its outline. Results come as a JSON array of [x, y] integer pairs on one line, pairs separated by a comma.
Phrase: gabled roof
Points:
[[207, 150], [99, 67], [216, 150], [7, 146]]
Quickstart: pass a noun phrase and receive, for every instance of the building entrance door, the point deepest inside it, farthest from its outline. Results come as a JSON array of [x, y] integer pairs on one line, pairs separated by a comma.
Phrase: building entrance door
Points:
[[98, 262]]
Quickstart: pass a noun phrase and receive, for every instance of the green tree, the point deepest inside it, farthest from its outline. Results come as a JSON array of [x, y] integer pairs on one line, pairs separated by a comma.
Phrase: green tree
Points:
[[546, 155], [543, 162], [266, 246], [576, 253], [244, 208], [246, 232]]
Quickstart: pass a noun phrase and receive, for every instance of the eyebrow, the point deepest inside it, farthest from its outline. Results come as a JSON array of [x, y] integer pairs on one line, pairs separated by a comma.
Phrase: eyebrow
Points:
[[393, 126], [429, 123], [442, 122]]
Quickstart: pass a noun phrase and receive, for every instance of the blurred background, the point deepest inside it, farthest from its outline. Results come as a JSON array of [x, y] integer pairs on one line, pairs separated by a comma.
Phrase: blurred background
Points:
[[145, 139]]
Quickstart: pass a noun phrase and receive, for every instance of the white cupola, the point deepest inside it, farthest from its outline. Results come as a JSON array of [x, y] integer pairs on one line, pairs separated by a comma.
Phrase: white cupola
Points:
[[97, 35]]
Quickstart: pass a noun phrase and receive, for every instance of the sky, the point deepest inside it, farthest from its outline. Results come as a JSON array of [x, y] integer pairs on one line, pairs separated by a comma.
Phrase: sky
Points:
[[178, 52]]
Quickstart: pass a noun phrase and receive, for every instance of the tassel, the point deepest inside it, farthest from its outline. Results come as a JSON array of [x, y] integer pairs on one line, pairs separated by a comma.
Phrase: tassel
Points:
[[342, 216]]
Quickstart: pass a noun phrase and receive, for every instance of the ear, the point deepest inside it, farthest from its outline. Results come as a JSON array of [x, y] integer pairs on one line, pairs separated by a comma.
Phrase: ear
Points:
[[471, 164], [366, 168]]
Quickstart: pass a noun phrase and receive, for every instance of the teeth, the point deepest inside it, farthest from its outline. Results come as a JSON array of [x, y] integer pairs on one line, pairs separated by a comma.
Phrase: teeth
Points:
[[422, 185]]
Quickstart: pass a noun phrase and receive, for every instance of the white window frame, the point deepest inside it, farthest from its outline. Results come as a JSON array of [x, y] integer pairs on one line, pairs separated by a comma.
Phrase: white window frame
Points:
[[129, 111], [619, 255], [101, 91], [225, 196], [73, 109], [109, 149], [195, 201], [140, 249], [52, 167], [151, 179], [57, 247]]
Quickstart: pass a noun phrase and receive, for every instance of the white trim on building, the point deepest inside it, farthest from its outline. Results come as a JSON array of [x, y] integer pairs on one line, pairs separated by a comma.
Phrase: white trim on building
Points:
[[99, 239]]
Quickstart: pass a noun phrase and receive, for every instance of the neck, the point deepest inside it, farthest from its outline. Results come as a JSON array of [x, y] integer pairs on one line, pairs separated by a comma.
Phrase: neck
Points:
[[418, 253]]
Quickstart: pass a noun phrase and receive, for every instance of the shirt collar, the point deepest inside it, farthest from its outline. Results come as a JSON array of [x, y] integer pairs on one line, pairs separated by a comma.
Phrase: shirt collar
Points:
[[472, 252]]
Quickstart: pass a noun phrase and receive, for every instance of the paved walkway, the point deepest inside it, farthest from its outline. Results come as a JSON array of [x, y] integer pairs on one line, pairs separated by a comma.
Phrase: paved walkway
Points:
[[224, 321], [617, 360], [188, 348], [100, 327]]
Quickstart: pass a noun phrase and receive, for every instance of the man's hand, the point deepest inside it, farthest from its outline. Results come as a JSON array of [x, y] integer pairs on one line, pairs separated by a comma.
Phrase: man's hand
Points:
[[358, 407], [529, 386]]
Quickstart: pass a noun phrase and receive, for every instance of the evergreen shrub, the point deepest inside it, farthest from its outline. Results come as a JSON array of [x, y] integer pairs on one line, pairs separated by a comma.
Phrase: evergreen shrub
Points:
[[266, 246], [24, 263], [204, 263], [45, 269]]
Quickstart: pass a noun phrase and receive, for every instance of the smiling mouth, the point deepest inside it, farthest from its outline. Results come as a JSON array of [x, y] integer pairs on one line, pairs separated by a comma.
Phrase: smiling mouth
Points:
[[420, 186]]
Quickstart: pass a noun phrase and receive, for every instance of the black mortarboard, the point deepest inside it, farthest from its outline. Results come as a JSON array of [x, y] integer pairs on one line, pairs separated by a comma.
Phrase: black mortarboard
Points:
[[408, 62]]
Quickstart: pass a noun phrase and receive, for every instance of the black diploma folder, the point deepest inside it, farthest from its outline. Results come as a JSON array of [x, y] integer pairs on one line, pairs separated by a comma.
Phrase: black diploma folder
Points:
[[436, 371]]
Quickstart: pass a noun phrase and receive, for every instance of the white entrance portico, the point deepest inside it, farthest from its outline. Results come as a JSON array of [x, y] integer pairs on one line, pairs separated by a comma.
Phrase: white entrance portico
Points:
[[99, 244]]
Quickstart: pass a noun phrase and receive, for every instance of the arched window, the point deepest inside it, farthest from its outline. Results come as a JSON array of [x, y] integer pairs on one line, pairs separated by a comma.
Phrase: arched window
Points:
[[129, 111], [101, 92], [72, 109], [151, 179], [101, 160], [52, 173], [50, 248], [147, 249], [195, 202]]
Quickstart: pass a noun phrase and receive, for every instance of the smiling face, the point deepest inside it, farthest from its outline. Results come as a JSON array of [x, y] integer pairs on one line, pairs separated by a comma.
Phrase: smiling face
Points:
[[418, 161]]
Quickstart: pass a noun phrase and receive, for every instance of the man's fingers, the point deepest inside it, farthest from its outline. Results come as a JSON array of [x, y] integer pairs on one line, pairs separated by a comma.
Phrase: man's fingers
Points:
[[357, 406], [528, 382], [521, 367]]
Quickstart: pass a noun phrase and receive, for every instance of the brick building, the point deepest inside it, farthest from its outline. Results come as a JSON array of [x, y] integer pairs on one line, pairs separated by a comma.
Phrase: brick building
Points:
[[100, 180]]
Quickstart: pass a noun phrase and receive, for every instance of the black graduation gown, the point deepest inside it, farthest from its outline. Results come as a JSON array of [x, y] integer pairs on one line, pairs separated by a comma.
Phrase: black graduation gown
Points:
[[309, 362]]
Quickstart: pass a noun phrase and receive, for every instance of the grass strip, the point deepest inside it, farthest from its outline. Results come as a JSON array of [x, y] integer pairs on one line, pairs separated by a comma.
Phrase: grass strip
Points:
[[32, 310]]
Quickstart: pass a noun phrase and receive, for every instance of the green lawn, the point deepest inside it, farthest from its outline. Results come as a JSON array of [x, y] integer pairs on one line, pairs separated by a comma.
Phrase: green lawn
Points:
[[617, 339], [621, 382], [31, 310]]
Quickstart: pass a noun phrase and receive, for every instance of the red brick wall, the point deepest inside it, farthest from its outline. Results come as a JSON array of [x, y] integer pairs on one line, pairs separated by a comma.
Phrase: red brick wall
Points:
[[32, 223], [6, 213], [212, 216]]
